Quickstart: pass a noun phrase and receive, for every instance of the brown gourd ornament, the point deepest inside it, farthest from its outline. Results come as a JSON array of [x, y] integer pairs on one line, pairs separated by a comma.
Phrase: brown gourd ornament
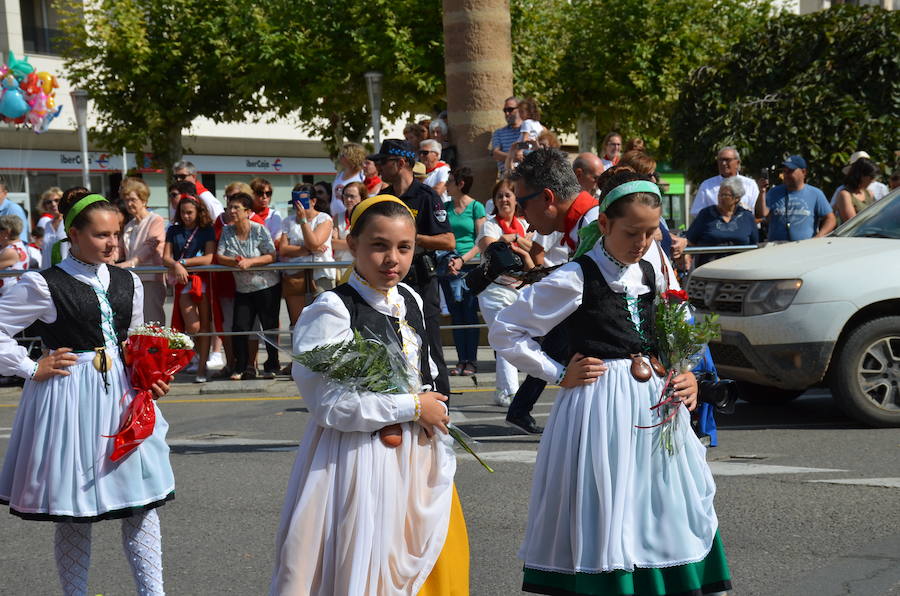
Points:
[[657, 367], [640, 370]]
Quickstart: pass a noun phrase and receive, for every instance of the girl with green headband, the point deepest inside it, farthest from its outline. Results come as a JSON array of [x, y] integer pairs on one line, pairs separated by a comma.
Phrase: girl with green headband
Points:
[[612, 512], [58, 465]]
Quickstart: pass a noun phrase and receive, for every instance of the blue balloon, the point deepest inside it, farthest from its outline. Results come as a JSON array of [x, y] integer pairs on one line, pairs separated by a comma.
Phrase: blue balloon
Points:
[[13, 104]]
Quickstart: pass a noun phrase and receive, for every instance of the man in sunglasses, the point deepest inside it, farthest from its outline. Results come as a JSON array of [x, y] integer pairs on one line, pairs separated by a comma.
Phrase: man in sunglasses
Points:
[[185, 171], [503, 138], [394, 162]]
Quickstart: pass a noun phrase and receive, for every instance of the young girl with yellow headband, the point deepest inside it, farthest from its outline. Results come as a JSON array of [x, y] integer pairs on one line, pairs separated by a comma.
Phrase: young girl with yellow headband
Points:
[[612, 512], [362, 517], [58, 465]]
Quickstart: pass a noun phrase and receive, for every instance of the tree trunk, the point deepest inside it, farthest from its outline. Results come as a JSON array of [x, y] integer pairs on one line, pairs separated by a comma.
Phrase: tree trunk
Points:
[[478, 71], [169, 151]]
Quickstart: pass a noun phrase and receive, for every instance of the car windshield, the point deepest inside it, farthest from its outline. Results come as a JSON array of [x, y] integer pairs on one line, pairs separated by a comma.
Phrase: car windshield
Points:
[[881, 220]]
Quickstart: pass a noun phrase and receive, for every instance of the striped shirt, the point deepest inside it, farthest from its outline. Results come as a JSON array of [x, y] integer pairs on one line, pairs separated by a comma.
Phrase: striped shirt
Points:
[[503, 139]]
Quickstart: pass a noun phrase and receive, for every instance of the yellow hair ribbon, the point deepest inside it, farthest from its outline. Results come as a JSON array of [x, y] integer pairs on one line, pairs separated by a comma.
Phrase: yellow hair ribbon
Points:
[[361, 207]]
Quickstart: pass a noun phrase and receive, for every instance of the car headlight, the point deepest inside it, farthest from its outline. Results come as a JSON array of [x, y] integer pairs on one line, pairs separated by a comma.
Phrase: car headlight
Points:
[[770, 296]]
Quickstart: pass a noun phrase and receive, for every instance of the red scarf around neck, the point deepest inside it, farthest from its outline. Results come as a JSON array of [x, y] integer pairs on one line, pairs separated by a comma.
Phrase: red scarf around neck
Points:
[[515, 227], [583, 203]]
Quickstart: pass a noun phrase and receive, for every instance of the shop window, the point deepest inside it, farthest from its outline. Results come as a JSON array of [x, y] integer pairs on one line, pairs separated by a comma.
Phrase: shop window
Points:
[[40, 27]]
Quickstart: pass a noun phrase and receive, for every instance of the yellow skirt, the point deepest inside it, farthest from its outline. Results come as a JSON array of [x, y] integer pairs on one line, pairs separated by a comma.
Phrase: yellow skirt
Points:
[[450, 575]]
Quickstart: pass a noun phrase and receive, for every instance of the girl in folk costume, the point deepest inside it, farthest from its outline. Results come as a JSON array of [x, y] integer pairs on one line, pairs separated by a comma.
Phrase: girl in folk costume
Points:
[[361, 517], [612, 511], [58, 465], [504, 226]]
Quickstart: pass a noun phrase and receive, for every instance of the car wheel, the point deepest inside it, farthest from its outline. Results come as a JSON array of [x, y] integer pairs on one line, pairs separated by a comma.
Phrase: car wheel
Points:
[[764, 395], [866, 379]]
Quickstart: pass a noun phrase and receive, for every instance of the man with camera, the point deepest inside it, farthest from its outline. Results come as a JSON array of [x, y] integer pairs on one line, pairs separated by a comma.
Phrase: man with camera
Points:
[[394, 162]]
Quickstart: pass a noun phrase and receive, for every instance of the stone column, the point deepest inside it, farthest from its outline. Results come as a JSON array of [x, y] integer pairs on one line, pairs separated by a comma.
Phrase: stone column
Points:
[[478, 70]]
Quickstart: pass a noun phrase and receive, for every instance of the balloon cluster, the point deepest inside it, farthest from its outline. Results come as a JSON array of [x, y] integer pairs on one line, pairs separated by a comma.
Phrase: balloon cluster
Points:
[[27, 97]]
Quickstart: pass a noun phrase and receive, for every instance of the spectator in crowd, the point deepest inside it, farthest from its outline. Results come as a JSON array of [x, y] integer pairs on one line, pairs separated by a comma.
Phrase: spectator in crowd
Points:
[[548, 138], [245, 244], [34, 248], [414, 134], [894, 180], [7, 207], [223, 293], [504, 226], [123, 219], [531, 127], [56, 249], [729, 163], [354, 193], [634, 144], [436, 171], [306, 238], [323, 192], [503, 138], [374, 183], [440, 132], [47, 212], [875, 188], [517, 153], [190, 242], [143, 241], [726, 223], [587, 167], [426, 124], [187, 172], [612, 149], [51, 222], [855, 195], [466, 217], [796, 210], [352, 158], [262, 201], [394, 161], [13, 255]]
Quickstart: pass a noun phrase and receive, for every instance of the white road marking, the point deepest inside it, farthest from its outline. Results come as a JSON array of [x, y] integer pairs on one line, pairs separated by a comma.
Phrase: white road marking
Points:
[[726, 468], [880, 482], [4, 436], [234, 442]]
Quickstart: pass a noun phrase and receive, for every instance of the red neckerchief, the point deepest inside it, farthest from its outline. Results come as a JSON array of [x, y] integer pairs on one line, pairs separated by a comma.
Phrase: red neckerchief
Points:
[[255, 217], [264, 214], [608, 158], [439, 164], [373, 183], [200, 188], [511, 228], [583, 203]]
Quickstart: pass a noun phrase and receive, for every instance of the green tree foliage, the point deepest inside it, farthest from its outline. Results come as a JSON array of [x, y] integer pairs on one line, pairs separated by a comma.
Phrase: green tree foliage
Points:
[[621, 62], [153, 66], [312, 56], [822, 85]]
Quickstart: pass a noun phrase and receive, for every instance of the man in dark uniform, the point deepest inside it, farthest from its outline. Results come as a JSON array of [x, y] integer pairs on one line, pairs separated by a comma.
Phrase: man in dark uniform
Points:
[[394, 162]]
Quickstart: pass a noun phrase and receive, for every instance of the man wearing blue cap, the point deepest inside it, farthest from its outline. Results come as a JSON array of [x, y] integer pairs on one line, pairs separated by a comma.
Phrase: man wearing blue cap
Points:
[[795, 209]]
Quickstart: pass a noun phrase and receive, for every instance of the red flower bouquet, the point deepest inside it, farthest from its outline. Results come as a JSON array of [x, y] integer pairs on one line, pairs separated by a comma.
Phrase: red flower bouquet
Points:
[[154, 353]]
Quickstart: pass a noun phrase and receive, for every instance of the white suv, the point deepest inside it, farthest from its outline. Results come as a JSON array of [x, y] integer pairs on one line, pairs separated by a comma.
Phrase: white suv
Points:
[[819, 311]]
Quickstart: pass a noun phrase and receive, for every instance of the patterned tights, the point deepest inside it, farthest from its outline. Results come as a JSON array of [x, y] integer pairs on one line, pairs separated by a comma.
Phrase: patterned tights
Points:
[[141, 541]]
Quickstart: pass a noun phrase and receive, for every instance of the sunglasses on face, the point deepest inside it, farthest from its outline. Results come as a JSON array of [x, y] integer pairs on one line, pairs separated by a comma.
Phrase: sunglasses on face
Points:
[[181, 177], [509, 110], [265, 193], [520, 201], [424, 152]]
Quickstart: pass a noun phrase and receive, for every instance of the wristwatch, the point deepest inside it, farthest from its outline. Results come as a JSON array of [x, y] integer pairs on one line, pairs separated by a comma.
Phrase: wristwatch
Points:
[[181, 261]]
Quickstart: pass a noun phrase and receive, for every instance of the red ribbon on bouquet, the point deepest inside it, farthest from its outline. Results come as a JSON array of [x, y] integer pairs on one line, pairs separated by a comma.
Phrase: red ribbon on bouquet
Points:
[[151, 360]]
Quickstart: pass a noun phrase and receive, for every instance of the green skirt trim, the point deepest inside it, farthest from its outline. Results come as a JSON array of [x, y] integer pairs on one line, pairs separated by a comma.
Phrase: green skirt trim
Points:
[[693, 579]]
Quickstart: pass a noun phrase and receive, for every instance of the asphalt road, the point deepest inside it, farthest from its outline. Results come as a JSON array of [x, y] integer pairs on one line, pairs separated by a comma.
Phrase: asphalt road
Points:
[[808, 501]]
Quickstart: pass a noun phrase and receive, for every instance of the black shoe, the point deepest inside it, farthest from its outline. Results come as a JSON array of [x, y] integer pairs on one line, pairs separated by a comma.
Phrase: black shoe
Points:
[[268, 374], [249, 375], [524, 423]]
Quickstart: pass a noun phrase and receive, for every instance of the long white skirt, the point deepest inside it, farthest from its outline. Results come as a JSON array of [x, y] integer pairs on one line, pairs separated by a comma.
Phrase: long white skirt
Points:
[[607, 495], [362, 518], [57, 466]]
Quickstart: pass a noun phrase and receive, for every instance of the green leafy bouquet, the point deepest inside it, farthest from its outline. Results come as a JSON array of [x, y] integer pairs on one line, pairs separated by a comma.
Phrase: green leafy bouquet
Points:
[[680, 341], [365, 364]]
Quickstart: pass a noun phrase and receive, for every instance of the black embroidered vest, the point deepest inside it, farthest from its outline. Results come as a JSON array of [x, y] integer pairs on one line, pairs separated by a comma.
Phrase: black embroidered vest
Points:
[[77, 324], [602, 327], [375, 325]]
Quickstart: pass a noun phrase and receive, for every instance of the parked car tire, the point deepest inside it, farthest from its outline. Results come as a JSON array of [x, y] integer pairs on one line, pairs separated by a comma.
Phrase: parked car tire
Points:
[[767, 396], [866, 373]]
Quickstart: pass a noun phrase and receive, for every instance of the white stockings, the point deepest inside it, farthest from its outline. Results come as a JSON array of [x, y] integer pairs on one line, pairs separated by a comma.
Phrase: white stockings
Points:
[[141, 541]]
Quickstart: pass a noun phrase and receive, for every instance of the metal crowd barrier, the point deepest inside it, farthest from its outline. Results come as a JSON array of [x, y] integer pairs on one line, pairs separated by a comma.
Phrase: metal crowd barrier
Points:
[[703, 250]]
